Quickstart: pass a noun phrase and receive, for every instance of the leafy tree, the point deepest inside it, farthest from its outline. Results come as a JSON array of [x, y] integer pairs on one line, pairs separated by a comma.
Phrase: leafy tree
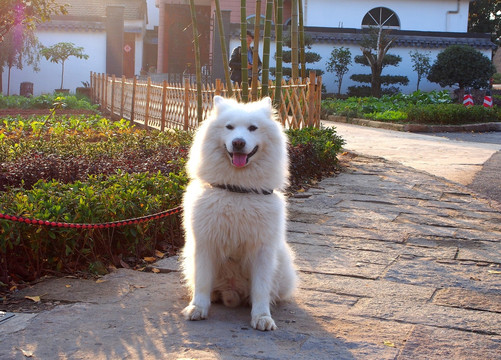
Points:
[[339, 63], [374, 48], [421, 64], [60, 52], [485, 17], [463, 66], [20, 47], [27, 13]]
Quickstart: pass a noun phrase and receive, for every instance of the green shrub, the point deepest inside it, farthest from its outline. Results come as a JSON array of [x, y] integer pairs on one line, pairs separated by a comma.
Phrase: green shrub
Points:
[[46, 101], [313, 154], [38, 249], [450, 114], [497, 78]]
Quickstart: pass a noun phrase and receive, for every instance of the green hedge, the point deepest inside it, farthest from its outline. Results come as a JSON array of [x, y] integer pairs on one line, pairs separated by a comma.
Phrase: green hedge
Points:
[[451, 114]]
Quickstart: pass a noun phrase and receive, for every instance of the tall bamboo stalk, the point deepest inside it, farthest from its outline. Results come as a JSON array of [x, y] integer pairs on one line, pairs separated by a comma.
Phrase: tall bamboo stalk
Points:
[[224, 52], [197, 60], [279, 6], [266, 47], [243, 50], [255, 55], [294, 40], [302, 56]]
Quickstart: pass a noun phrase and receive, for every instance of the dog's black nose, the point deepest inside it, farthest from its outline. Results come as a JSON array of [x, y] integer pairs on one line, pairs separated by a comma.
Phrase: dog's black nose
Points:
[[238, 144]]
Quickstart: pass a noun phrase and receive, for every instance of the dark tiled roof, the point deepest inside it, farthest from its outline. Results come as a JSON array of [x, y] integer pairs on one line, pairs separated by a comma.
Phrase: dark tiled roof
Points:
[[418, 39], [95, 10], [90, 15]]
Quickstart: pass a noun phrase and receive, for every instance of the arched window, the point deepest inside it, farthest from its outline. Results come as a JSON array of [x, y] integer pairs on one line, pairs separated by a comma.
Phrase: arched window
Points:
[[381, 16], [252, 18]]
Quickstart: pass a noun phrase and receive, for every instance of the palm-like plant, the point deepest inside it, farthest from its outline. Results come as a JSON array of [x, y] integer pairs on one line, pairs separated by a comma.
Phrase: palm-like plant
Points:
[[60, 52]]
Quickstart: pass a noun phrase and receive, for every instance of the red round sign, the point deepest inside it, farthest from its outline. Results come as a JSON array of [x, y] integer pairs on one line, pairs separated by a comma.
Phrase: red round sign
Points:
[[127, 48]]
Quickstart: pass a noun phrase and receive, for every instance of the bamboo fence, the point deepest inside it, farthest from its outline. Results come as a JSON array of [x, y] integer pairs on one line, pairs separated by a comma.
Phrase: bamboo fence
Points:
[[174, 106]]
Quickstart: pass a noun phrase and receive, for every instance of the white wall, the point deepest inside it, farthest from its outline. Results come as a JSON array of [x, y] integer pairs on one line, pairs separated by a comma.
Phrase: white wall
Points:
[[422, 15], [75, 70], [153, 14], [404, 68]]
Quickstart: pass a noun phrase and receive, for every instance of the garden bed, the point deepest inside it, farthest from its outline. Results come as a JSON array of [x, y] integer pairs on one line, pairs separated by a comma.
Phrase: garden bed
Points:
[[88, 170]]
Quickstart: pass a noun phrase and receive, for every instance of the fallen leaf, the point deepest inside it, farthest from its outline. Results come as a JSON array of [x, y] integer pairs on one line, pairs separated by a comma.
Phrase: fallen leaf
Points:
[[388, 343], [99, 281], [33, 298], [159, 254], [68, 286], [27, 353], [155, 270], [149, 259], [494, 272]]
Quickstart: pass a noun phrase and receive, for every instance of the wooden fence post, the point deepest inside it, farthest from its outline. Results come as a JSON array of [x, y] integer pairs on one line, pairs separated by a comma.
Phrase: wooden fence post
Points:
[[112, 106], [311, 99], [102, 93], [319, 100], [91, 89], [133, 100], [186, 103], [147, 108], [122, 100], [164, 105], [218, 87]]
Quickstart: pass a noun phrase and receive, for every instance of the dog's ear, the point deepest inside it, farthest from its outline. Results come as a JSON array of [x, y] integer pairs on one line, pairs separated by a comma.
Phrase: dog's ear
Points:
[[266, 101]]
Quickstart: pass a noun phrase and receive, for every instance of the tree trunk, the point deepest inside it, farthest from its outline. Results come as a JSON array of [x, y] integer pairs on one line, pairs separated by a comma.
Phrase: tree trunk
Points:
[[62, 74]]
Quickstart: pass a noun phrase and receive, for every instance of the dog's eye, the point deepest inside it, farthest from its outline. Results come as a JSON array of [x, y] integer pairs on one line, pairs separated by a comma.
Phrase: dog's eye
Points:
[[229, 127], [252, 128]]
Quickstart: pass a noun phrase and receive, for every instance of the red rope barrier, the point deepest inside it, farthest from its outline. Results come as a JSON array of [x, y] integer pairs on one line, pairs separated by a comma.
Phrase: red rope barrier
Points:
[[107, 225]]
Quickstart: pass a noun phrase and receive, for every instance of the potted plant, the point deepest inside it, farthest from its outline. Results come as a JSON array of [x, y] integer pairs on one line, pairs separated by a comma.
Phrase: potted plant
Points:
[[59, 53], [84, 89]]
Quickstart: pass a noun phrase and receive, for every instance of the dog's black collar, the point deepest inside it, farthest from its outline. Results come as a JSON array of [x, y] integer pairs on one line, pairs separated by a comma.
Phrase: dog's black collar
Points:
[[242, 190]]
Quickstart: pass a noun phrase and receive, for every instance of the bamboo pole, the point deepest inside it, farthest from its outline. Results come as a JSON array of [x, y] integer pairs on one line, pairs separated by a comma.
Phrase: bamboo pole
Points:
[[266, 48], [302, 56], [243, 51], [294, 40], [279, 44], [198, 67], [224, 52], [255, 55]]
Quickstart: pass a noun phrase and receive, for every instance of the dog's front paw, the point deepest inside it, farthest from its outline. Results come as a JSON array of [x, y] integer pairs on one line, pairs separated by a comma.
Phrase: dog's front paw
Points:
[[194, 312], [263, 323]]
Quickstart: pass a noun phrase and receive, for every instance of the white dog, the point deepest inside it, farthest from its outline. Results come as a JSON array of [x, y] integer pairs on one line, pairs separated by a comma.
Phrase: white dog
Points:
[[234, 215]]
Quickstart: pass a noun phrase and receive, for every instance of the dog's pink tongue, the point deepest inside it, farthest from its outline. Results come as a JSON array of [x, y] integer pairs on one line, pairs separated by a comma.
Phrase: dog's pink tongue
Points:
[[239, 160]]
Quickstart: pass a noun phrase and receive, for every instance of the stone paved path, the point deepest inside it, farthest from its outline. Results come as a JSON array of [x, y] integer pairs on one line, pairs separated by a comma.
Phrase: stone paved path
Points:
[[394, 264]]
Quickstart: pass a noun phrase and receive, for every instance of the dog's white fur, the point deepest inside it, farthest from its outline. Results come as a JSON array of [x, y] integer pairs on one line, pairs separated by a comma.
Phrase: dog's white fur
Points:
[[235, 247]]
